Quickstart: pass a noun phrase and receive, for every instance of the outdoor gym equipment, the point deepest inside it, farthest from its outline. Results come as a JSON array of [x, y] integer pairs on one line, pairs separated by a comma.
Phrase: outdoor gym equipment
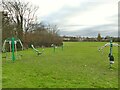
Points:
[[110, 55], [12, 46], [54, 47], [37, 51]]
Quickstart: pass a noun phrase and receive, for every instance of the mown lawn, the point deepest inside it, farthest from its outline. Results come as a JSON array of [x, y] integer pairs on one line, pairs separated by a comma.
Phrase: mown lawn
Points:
[[79, 65]]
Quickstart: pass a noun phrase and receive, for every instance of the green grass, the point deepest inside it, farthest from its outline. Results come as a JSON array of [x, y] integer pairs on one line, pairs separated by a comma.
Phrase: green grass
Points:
[[79, 65]]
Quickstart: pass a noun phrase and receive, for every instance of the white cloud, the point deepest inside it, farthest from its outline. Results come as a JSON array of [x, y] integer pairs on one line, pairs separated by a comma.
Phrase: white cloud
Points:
[[95, 16], [49, 6], [87, 13]]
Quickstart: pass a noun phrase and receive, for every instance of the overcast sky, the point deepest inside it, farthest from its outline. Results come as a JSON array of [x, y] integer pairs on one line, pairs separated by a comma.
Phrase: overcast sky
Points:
[[80, 17]]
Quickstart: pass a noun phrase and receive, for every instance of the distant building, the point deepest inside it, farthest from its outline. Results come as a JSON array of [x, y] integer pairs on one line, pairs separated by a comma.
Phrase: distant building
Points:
[[66, 38]]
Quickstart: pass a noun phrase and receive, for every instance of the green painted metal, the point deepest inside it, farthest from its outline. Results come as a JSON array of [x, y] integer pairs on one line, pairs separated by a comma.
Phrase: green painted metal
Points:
[[9, 39], [54, 47], [12, 43], [111, 46], [13, 48]]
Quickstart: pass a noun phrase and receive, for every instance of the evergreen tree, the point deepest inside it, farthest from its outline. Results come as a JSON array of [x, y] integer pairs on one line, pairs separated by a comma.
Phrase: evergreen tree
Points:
[[99, 37]]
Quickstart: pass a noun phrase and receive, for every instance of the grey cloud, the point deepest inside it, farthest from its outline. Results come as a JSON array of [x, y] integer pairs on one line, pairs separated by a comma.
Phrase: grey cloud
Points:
[[109, 29], [68, 11], [113, 18]]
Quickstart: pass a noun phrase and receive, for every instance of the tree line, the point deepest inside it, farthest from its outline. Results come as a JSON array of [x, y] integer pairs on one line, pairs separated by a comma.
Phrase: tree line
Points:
[[99, 38], [19, 20]]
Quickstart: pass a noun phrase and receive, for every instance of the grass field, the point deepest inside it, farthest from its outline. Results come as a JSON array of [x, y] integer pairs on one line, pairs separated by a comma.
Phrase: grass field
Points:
[[79, 65]]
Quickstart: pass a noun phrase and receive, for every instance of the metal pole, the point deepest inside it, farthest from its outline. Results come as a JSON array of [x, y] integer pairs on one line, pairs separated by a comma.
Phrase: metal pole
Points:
[[10, 48], [110, 55], [16, 48], [111, 46], [13, 56]]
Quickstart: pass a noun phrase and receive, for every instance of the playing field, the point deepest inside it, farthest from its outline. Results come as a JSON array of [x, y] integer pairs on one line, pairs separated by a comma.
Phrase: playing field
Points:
[[79, 65]]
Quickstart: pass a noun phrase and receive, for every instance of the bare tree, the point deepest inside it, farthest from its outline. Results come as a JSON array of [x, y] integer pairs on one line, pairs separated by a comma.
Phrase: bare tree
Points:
[[22, 15], [6, 26]]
